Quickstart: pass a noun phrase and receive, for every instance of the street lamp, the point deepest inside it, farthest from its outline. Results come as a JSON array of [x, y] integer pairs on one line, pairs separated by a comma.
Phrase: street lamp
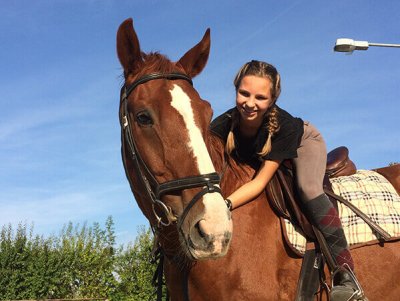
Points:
[[349, 45]]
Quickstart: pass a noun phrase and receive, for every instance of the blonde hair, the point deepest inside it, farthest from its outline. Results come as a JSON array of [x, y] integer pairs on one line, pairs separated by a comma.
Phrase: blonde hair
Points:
[[265, 70]]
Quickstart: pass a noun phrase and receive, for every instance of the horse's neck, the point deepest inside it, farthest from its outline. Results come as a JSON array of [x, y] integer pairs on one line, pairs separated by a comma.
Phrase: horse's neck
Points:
[[256, 246], [216, 149], [254, 221]]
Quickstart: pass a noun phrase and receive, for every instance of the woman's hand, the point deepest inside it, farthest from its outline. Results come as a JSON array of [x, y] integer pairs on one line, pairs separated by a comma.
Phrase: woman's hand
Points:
[[252, 189]]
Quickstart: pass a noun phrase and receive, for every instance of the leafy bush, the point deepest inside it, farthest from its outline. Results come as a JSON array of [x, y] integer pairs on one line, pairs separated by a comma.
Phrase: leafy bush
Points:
[[81, 262], [135, 272]]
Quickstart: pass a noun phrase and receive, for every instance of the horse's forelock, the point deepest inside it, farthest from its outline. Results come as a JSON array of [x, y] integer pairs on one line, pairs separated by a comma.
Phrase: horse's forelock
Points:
[[152, 62], [155, 62]]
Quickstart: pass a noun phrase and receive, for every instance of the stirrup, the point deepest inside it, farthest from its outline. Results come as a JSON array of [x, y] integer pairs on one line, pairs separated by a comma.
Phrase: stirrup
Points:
[[344, 273]]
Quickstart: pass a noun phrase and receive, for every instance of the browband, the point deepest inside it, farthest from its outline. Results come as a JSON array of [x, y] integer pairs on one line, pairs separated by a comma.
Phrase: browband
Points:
[[170, 76]]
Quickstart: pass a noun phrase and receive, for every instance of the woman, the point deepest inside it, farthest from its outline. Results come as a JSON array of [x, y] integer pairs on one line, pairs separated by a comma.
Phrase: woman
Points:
[[258, 129]]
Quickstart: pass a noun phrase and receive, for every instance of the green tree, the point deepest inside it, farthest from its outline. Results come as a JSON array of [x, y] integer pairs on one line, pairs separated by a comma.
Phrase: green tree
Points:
[[6, 257]]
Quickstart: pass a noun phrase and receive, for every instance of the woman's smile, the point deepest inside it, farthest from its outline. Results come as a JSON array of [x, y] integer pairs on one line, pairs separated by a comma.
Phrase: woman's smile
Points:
[[249, 112]]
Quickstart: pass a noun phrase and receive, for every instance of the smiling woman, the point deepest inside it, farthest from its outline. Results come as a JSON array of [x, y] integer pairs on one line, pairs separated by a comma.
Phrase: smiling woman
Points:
[[253, 100]]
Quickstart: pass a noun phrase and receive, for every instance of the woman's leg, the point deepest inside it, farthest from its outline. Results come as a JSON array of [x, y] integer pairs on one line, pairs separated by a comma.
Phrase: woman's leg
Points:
[[310, 169]]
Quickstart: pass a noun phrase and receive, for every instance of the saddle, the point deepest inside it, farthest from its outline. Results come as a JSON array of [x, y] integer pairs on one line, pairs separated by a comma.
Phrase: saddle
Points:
[[282, 194]]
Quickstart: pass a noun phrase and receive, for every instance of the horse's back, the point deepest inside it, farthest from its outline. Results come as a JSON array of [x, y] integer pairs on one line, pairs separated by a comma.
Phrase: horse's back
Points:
[[392, 173]]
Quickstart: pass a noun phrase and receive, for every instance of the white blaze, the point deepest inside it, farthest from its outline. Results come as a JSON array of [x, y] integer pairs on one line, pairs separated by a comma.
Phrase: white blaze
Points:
[[182, 103], [214, 221]]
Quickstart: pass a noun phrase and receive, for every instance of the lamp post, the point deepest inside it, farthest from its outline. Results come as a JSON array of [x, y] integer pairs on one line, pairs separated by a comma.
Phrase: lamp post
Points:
[[349, 45]]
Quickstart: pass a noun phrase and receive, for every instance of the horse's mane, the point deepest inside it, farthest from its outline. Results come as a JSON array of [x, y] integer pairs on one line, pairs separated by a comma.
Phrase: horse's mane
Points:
[[240, 173]]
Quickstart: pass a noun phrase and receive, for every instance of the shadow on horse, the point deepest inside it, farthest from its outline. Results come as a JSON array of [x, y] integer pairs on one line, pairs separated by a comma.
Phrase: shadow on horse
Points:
[[173, 164]]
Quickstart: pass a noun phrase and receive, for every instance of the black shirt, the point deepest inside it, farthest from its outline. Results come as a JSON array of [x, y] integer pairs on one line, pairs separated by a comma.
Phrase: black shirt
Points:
[[284, 142]]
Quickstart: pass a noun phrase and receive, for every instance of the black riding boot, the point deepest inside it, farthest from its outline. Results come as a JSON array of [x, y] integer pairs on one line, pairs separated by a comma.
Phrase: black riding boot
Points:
[[345, 286]]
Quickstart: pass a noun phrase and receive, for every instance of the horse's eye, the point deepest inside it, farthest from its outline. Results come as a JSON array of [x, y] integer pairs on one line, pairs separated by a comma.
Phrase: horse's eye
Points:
[[144, 118]]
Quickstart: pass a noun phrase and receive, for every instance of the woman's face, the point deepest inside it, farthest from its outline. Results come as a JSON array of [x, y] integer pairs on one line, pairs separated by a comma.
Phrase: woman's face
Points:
[[253, 98]]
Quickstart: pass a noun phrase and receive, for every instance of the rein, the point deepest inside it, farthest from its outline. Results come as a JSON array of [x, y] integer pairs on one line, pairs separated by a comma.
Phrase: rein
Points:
[[155, 189]]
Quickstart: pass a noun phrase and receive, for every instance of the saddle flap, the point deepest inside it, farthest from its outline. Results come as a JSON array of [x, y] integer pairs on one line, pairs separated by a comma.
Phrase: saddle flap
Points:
[[281, 196], [276, 198]]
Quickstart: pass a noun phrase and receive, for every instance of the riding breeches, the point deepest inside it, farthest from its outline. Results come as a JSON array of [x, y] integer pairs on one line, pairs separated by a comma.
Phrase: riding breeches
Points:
[[310, 163]]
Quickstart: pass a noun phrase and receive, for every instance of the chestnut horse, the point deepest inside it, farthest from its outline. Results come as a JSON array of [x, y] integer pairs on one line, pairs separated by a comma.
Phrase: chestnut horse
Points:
[[165, 139]]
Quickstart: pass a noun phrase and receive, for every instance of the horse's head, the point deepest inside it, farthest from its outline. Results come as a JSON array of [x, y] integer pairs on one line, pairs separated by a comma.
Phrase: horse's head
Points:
[[164, 132]]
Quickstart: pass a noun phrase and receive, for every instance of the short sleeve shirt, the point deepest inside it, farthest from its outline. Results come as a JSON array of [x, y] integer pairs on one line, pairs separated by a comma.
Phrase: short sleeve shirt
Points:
[[285, 142]]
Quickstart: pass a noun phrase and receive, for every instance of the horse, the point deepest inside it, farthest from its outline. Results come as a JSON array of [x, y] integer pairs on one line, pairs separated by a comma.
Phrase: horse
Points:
[[210, 253]]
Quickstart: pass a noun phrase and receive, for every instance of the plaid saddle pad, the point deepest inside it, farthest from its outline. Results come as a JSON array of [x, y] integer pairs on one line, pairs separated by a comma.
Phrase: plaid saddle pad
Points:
[[373, 195]]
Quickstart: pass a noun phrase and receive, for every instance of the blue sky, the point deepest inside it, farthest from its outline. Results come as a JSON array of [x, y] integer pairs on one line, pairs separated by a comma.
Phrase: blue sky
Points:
[[60, 78]]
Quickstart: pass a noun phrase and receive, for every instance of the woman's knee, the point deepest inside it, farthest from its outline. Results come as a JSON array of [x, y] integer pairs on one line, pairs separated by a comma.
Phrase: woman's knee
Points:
[[309, 191]]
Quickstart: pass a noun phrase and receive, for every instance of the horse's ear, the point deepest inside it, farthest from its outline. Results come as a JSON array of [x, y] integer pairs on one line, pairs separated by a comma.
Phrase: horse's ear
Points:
[[128, 48], [196, 58]]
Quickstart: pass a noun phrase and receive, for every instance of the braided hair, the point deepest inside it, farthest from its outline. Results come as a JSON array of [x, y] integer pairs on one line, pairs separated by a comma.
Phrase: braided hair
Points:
[[265, 70]]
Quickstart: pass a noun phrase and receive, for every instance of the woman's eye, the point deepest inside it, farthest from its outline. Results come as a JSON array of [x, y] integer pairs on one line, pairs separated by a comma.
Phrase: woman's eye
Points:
[[244, 93], [144, 118]]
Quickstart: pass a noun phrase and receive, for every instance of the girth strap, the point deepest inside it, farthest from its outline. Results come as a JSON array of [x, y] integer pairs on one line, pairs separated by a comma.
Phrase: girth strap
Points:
[[310, 275]]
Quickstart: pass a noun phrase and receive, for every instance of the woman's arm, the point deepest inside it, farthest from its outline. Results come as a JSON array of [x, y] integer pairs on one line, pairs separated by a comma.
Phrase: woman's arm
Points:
[[251, 189]]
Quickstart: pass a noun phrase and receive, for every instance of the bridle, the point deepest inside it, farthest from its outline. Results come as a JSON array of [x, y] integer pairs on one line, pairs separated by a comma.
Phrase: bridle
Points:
[[155, 189]]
